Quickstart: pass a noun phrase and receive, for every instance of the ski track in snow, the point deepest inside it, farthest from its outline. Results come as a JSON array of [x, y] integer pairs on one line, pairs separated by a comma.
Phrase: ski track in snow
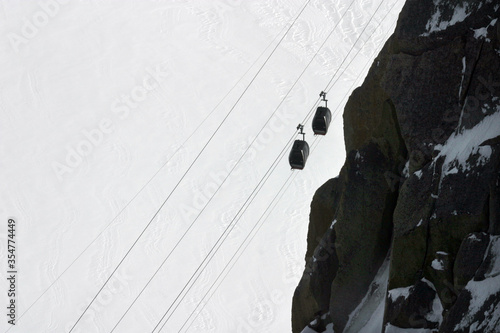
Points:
[[65, 79]]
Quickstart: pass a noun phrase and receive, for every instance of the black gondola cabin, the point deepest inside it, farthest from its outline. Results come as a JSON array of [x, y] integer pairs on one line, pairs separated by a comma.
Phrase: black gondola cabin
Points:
[[321, 120], [298, 154]]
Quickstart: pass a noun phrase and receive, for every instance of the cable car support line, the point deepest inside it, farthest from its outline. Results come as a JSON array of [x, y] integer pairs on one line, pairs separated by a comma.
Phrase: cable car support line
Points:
[[150, 179], [293, 175], [189, 228], [215, 248], [300, 127], [186, 172], [245, 150], [245, 203], [255, 226], [328, 88]]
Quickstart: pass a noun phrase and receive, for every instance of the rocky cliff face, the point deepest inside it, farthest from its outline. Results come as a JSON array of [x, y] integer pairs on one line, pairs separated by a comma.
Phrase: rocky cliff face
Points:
[[420, 184]]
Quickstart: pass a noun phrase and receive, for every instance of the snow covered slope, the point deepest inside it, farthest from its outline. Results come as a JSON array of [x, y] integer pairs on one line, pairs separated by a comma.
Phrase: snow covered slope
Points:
[[97, 100]]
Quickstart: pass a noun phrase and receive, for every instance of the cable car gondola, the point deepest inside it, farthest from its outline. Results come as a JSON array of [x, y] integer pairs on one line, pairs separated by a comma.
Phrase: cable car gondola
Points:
[[322, 118], [300, 152]]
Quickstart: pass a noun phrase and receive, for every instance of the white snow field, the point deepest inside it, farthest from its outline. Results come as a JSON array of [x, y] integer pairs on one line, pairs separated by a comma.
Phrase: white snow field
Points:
[[110, 198]]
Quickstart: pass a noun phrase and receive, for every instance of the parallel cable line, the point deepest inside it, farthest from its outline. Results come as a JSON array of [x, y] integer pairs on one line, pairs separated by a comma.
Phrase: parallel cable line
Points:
[[182, 237], [232, 226], [364, 67], [185, 233], [359, 37], [226, 232], [151, 178], [234, 263], [199, 214], [313, 146], [292, 175], [257, 227], [327, 89], [222, 237], [190, 167], [256, 138]]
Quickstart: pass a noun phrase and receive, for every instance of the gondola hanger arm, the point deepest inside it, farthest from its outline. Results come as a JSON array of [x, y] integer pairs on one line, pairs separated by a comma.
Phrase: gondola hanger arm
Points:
[[323, 95], [300, 128]]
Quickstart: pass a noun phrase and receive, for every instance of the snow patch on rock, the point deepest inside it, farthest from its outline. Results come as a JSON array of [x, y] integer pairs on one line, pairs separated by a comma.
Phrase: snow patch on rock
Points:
[[463, 144], [483, 32], [369, 314], [437, 265], [406, 170], [482, 290], [429, 283], [494, 250], [436, 23], [464, 67], [396, 293], [436, 315]]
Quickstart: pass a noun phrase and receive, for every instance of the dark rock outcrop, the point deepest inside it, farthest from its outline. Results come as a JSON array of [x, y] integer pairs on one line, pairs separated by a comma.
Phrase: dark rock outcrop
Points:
[[478, 304], [322, 213], [412, 310], [421, 179]]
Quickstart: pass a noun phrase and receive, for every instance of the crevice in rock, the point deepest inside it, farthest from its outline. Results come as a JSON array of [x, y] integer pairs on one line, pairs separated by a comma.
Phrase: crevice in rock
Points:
[[434, 195], [465, 92], [494, 204]]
